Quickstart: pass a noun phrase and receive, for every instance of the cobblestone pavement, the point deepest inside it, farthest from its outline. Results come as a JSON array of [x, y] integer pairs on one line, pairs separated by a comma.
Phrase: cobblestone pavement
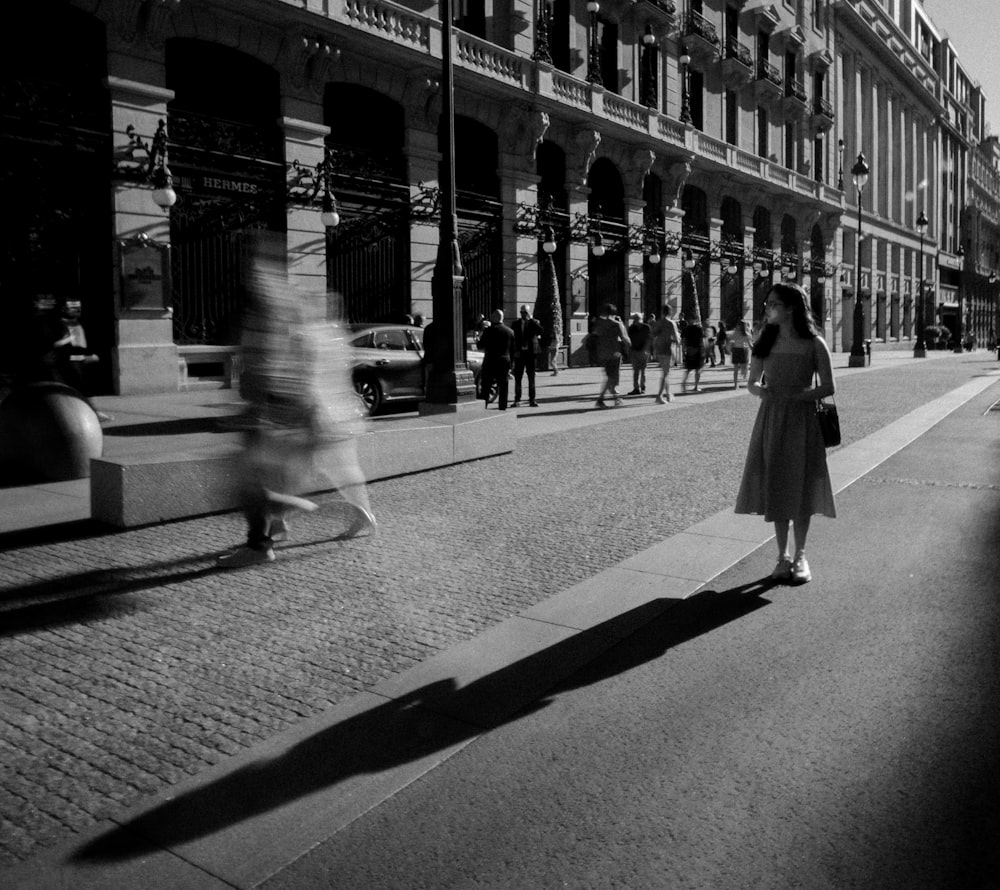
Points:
[[129, 661]]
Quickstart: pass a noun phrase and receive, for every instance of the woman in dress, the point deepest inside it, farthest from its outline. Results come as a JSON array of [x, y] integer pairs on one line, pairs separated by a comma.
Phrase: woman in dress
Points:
[[785, 477]]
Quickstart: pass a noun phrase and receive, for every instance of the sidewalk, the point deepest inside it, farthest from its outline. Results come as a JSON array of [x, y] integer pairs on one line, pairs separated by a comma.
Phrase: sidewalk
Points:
[[181, 422], [242, 822]]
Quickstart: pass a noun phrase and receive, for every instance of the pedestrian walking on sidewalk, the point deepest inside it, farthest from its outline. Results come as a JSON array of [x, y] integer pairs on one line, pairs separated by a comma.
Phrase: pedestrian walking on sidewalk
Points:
[[528, 332], [302, 413], [693, 339], [611, 342], [721, 341], [785, 477], [739, 345], [639, 337], [497, 345], [666, 339]]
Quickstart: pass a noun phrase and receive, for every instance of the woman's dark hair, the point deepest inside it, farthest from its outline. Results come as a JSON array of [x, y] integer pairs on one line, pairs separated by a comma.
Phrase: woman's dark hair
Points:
[[794, 297]]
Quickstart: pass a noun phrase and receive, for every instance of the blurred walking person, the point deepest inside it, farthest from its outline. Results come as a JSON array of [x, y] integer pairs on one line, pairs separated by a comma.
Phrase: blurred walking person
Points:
[[739, 345], [665, 341], [639, 335], [785, 477], [302, 415], [611, 342], [693, 342]]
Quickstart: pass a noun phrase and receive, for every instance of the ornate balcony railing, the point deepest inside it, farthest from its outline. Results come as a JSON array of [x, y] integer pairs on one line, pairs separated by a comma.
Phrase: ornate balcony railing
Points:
[[823, 107], [767, 71], [701, 27], [737, 51], [795, 89]]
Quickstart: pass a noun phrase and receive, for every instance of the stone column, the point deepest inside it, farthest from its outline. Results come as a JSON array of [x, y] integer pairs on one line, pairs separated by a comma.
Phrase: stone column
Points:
[[423, 162], [577, 255], [145, 359], [305, 233]]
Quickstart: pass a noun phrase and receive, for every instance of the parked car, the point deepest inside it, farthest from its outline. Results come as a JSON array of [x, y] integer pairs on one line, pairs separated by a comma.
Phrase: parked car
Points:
[[388, 366]]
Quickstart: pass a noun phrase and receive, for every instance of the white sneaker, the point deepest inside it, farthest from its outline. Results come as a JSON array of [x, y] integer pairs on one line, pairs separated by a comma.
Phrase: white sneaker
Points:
[[800, 571], [783, 570], [364, 521], [246, 556]]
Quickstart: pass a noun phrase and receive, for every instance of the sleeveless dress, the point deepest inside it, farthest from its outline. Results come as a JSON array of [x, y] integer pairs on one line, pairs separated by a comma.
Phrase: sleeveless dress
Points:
[[785, 475]]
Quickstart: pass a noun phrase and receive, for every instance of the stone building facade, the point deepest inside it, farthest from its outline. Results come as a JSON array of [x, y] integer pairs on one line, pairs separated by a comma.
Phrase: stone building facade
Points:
[[703, 148]]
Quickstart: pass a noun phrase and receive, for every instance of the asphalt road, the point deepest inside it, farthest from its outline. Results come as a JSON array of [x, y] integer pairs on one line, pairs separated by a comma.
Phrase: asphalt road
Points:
[[843, 734], [129, 662]]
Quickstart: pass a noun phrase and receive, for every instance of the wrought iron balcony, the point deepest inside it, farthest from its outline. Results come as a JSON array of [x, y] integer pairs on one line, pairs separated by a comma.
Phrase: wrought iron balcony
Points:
[[767, 71], [698, 26], [736, 50], [795, 89], [737, 63], [823, 107], [768, 83]]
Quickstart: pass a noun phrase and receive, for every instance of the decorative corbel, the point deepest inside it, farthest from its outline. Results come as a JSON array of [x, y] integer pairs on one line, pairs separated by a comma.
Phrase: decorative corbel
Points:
[[677, 177], [524, 131], [587, 142], [640, 163]]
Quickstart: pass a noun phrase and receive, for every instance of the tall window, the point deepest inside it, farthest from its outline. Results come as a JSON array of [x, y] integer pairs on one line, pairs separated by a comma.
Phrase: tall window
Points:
[[790, 146], [818, 158], [762, 127], [732, 117], [607, 37], [697, 99]]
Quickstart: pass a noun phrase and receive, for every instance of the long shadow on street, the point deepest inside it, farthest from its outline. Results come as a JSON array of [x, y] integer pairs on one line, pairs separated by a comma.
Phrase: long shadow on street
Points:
[[409, 728]]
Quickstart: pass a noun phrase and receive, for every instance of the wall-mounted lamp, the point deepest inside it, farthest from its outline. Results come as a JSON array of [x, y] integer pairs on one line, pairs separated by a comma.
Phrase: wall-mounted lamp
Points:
[[596, 240], [313, 179], [155, 171], [689, 262]]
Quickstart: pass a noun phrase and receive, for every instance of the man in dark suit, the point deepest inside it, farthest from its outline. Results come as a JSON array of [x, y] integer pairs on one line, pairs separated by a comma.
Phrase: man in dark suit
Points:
[[528, 332], [497, 345]]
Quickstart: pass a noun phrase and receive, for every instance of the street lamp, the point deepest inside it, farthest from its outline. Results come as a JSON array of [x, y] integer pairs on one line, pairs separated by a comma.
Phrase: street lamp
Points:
[[920, 348], [840, 167], [685, 63], [594, 52], [449, 380], [648, 86], [961, 287], [860, 173]]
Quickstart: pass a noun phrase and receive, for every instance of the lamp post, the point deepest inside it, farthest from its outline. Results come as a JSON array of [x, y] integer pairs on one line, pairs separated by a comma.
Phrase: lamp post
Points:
[[860, 173], [961, 288], [648, 87], [449, 380], [685, 63], [920, 348], [594, 51], [840, 165]]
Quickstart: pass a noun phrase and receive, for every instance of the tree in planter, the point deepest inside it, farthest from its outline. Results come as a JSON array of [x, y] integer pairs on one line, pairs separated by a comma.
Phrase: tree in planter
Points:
[[548, 308]]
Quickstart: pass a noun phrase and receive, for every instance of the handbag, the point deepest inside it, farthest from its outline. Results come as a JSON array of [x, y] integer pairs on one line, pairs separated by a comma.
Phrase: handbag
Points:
[[829, 422]]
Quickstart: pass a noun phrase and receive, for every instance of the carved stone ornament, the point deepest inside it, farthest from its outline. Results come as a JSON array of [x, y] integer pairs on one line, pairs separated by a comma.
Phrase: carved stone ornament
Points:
[[145, 17], [640, 163], [523, 129], [677, 177], [587, 143], [311, 58]]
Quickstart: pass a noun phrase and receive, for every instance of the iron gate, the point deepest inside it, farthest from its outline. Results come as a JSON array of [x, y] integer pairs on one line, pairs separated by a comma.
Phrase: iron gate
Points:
[[212, 241], [368, 265], [483, 288]]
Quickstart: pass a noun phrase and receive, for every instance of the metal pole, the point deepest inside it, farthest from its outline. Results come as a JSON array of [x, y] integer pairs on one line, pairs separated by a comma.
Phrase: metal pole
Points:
[[449, 380], [857, 359], [920, 348]]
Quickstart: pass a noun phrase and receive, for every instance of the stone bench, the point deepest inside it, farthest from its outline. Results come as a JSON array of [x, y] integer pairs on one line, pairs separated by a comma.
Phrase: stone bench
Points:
[[140, 489]]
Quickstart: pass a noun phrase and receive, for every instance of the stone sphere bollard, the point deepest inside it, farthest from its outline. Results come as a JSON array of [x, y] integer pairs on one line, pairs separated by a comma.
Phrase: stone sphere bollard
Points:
[[49, 430]]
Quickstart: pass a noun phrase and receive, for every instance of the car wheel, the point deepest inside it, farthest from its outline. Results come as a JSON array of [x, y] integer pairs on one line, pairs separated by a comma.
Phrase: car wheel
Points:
[[370, 391]]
